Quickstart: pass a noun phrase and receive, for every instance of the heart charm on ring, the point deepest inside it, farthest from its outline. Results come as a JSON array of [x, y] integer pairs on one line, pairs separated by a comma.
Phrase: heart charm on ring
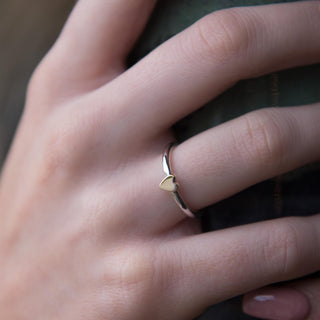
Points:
[[168, 183]]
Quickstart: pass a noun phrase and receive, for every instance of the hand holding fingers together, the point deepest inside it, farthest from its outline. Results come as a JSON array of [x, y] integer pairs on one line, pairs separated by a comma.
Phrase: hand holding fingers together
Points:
[[89, 234]]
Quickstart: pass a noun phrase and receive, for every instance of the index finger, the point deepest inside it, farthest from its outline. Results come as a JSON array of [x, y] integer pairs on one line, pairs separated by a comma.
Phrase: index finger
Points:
[[98, 36]]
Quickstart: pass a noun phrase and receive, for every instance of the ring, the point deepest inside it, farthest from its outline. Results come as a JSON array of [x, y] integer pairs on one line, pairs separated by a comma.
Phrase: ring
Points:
[[169, 183]]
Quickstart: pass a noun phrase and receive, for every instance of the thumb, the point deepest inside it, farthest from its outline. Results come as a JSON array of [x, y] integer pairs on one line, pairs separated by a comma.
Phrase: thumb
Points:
[[296, 300]]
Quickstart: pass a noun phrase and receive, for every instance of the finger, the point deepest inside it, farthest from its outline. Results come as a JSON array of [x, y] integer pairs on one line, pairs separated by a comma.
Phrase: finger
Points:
[[213, 54], [311, 289], [219, 265], [295, 300], [233, 156], [98, 36], [252, 148]]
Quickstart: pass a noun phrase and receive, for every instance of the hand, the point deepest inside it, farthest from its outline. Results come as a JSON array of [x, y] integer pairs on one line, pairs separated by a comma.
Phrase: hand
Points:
[[85, 231]]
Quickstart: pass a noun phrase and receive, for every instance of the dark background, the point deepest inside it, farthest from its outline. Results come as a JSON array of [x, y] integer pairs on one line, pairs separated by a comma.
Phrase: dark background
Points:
[[29, 28]]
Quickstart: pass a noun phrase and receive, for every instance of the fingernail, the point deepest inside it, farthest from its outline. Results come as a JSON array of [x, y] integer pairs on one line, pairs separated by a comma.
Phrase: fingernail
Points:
[[277, 304]]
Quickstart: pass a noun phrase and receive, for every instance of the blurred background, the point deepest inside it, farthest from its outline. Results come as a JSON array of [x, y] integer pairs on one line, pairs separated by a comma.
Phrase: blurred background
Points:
[[29, 28]]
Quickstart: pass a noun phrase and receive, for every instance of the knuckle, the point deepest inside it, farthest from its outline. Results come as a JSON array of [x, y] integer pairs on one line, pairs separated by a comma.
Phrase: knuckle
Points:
[[132, 274], [263, 140], [226, 33], [135, 269], [59, 149], [42, 87], [53, 160], [48, 86], [282, 249]]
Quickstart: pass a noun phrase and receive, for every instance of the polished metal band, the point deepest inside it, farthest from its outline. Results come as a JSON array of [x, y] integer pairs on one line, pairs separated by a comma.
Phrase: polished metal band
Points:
[[169, 182]]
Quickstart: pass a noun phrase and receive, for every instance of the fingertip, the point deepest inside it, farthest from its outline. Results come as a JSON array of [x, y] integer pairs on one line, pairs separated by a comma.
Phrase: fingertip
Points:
[[276, 303]]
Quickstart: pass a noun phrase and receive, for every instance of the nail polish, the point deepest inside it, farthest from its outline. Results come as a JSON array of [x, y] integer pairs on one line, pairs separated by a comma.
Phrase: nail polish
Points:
[[277, 304]]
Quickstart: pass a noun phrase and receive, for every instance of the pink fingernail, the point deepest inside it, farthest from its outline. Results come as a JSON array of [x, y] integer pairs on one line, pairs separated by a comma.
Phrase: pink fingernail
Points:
[[277, 304]]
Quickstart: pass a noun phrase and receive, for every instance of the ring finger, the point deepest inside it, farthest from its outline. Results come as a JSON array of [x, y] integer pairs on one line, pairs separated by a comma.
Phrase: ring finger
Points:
[[255, 147], [247, 150], [237, 154]]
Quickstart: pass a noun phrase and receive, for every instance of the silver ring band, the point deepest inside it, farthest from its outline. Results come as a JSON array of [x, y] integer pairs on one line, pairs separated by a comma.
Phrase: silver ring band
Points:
[[169, 182]]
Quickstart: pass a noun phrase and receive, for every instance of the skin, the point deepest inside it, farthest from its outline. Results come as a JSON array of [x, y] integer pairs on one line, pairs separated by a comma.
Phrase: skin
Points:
[[85, 231]]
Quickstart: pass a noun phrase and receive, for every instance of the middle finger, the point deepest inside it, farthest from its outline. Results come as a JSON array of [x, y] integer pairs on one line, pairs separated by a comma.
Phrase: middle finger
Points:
[[219, 50]]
